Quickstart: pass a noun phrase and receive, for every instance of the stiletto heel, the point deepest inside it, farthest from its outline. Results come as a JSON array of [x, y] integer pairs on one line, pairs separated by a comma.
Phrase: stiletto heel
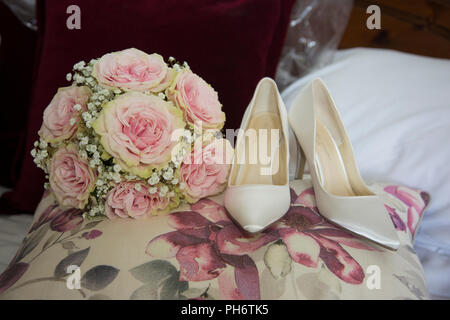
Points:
[[257, 196], [341, 195], [301, 168]]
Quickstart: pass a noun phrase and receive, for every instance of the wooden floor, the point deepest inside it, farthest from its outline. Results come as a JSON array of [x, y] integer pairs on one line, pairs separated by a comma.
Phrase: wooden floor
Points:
[[415, 26]]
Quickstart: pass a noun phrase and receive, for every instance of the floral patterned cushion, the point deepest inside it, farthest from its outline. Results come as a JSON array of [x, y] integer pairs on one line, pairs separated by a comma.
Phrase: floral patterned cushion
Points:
[[198, 252]]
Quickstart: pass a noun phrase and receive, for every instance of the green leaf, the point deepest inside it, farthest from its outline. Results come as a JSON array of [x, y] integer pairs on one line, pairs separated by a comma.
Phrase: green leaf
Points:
[[99, 277], [409, 283], [192, 293], [168, 289], [145, 292], [161, 281], [32, 241], [154, 271], [278, 260], [50, 240], [183, 285], [68, 245], [76, 229], [92, 224], [76, 258]]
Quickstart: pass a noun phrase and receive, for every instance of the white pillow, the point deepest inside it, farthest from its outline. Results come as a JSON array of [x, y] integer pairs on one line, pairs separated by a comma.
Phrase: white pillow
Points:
[[396, 109]]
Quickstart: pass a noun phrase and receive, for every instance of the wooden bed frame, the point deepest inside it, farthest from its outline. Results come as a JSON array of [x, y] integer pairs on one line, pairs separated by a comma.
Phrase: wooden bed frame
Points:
[[416, 26]]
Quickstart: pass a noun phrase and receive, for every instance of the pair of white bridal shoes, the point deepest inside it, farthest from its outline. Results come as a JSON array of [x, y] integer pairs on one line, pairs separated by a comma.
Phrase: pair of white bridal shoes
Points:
[[258, 191]]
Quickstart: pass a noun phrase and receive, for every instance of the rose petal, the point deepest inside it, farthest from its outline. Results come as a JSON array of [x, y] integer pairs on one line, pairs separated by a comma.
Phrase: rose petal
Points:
[[415, 204], [227, 285], [167, 245], [210, 210], [247, 279], [187, 220], [132, 69], [136, 129], [302, 248], [240, 282], [344, 238], [204, 173], [200, 233], [306, 198], [56, 125], [197, 99], [413, 219], [396, 220], [293, 195], [199, 262], [406, 196], [339, 261], [70, 177], [302, 217], [232, 240], [425, 197]]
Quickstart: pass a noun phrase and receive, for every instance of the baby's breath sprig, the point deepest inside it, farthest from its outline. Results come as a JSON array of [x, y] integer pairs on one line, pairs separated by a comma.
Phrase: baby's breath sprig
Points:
[[176, 65], [41, 153]]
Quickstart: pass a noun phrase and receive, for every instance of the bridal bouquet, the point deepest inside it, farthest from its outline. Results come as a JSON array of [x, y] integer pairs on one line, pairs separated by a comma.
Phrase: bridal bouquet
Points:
[[133, 136]]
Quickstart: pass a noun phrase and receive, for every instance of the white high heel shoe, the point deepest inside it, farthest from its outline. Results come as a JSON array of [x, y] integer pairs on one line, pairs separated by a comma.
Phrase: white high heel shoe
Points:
[[341, 195], [258, 193]]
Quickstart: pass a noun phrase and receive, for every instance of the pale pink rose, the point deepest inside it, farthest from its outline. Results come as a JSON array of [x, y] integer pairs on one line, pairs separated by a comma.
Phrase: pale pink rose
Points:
[[71, 178], [137, 130], [205, 173], [197, 99], [57, 124], [132, 69], [126, 201]]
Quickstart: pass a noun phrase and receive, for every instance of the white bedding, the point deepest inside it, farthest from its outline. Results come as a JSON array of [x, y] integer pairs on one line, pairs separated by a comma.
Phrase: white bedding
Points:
[[396, 108], [12, 230]]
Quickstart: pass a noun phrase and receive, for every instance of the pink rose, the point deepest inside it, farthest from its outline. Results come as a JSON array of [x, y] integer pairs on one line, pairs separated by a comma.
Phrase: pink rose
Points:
[[205, 173], [132, 69], [57, 125], [197, 99], [125, 200], [71, 178], [137, 130]]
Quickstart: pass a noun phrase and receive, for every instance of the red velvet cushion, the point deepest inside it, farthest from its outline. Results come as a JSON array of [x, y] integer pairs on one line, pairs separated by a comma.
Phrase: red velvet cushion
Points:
[[16, 64], [231, 44]]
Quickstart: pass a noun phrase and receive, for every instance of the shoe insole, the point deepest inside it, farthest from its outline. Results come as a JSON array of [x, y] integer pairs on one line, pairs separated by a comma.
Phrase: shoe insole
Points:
[[252, 169], [330, 165]]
